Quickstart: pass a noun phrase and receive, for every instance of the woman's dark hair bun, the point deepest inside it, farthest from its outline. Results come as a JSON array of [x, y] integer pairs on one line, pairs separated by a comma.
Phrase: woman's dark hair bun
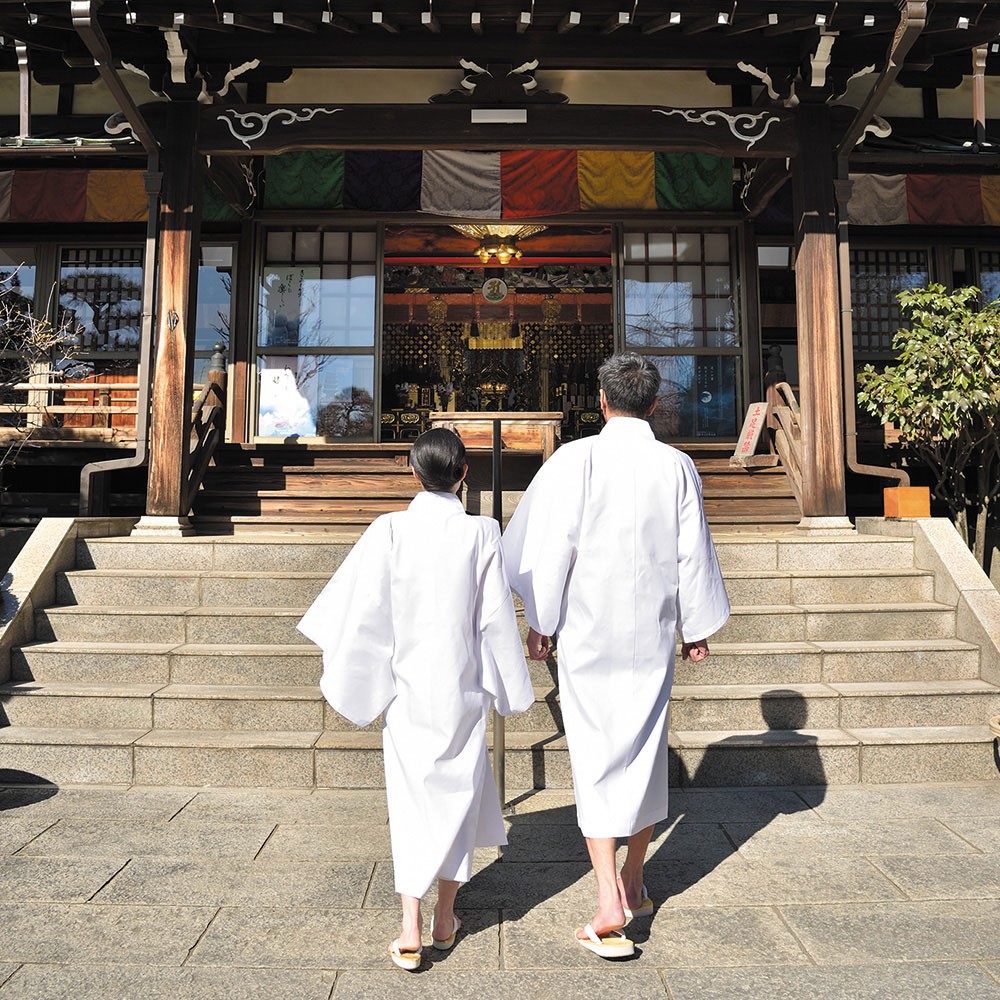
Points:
[[438, 459]]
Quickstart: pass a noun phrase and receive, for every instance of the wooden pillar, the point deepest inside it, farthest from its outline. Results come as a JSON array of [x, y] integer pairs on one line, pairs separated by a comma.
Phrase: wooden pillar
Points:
[[176, 293], [817, 295]]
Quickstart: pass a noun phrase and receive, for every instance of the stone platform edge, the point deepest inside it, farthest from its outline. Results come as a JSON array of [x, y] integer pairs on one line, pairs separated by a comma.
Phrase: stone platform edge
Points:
[[958, 580], [30, 583]]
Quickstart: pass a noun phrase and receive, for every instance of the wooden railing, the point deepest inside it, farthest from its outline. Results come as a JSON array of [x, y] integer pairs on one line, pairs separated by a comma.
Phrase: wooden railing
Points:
[[208, 425], [73, 410], [786, 428]]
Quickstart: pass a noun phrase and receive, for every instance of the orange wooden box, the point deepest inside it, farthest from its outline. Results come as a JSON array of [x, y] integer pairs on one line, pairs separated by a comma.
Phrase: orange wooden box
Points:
[[907, 501]]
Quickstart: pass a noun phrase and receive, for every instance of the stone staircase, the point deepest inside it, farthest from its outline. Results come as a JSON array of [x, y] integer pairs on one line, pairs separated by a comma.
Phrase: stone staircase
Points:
[[177, 662]]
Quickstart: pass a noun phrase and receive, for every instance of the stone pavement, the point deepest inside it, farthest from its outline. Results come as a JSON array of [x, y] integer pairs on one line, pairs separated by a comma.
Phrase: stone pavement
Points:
[[838, 893]]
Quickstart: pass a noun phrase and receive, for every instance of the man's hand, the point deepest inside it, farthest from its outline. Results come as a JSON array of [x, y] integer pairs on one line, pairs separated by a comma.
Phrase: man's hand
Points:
[[693, 651], [538, 645]]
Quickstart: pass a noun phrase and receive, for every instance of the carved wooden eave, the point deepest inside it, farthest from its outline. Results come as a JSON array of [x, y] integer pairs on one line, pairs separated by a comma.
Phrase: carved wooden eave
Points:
[[265, 130]]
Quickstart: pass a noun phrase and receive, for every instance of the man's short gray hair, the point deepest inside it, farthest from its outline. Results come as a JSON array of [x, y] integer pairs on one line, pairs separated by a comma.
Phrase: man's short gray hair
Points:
[[630, 383]]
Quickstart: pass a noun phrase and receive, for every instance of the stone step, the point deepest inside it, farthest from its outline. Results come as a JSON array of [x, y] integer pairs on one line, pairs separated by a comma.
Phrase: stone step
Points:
[[262, 624], [301, 707], [306, 759], [791, 553], [782, 623], [832, 706], [294, 554], [738, 552], [877, 586], [189, 588], [152, 624], [298, 589]]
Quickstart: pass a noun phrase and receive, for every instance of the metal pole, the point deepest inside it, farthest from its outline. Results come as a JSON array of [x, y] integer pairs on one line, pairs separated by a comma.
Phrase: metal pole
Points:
[[499, 724]]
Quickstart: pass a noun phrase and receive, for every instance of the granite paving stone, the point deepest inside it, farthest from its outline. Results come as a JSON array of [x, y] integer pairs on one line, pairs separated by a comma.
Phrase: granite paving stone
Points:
[[305, 938], [16, 832], [320, 842], [615, 981], [906, 801], [845, 838], [684, 938], [237, 883], [956, 981], [770, 881], [975, 876], [56, 880], [868, 933], [112, 803], [64, 933], [982, 833], [321, 806], [124, 982], [762, 893], [133, 838]]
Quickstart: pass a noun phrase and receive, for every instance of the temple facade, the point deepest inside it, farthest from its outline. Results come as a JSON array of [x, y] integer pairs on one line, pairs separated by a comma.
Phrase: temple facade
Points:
[[265, 233]]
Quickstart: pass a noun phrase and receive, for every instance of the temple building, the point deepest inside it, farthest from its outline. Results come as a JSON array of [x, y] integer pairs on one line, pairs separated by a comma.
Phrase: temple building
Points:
[[279, 243]]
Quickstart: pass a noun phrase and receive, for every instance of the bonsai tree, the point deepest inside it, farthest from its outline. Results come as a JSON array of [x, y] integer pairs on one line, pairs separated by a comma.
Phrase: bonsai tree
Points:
[[943, 394]]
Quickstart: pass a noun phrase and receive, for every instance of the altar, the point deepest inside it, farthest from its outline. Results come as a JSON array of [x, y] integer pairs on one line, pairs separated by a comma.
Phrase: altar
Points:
[[529, 433]]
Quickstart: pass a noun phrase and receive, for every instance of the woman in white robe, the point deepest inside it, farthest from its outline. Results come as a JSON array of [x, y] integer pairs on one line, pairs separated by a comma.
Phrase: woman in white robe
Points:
[[419, 623], [609, 548]]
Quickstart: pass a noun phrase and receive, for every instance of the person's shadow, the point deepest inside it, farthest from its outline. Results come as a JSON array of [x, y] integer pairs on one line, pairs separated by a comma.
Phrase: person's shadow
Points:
[[738, 786]]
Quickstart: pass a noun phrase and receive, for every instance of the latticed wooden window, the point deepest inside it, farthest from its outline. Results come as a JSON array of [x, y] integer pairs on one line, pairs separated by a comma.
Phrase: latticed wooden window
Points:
[[877, 278], [989, 274], [101, 287]]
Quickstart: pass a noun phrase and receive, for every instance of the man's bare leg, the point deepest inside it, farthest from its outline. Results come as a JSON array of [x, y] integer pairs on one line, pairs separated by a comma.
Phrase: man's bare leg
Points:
[[610, 916], [444, 909], [631, 875]]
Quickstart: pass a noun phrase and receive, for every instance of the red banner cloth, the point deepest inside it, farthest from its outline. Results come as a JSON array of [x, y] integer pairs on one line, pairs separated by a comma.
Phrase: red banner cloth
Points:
[[48, 196], [538, 182], [944, 200]]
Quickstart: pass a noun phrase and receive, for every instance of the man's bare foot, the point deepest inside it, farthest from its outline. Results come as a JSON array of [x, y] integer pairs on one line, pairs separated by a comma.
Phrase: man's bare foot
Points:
[[631, 892]]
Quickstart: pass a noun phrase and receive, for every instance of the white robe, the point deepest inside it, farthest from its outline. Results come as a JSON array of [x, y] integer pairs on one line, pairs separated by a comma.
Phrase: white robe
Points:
[[609, 548], [418, 622]]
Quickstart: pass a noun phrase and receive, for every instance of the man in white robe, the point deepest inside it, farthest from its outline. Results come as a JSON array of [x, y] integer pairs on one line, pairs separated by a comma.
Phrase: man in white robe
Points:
[[418, 622], [610, 549]]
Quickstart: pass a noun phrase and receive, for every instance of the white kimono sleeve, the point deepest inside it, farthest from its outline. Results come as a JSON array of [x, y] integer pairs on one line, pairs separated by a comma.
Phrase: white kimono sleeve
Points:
[[505, 674], [351, 621], [540, 542], [702, 603]]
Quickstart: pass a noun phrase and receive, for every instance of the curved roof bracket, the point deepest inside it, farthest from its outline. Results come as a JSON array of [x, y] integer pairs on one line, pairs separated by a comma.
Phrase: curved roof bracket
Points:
[[84, 13]]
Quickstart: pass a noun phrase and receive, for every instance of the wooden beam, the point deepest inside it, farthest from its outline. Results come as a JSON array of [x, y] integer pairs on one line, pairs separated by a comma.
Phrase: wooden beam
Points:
[[671, 20], [912, 20], [742, 25], [185, 20], [769, 177], [817, 297], [291, 21], [249, 23], [430, 22], [338, 22], [523, 21], [570, 21], [616, 21], [378, 18], [476, 22], [257, 129]]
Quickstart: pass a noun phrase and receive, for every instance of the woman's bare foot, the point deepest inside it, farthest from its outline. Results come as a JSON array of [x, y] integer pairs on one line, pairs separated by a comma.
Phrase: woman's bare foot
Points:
[[605, 921], [444, 924], [412, 929]]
